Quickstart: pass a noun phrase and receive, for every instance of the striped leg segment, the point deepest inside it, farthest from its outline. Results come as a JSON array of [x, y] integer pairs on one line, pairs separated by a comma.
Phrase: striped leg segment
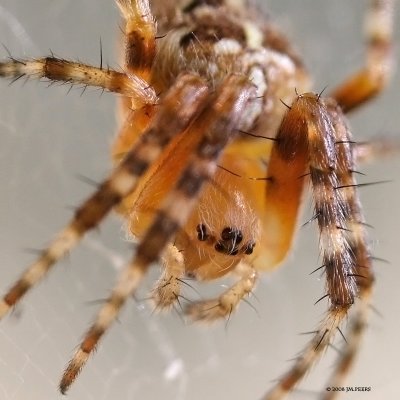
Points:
[[358, 242], [364, 85], [167, 290], [321, 126], [74, 73], [216, 125], [354, 335], [373, 77], [140, 36], [140, 49], [170, 120]]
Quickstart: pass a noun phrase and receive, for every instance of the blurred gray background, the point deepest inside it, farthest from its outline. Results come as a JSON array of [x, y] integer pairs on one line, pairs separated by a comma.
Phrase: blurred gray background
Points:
[[49, 137]]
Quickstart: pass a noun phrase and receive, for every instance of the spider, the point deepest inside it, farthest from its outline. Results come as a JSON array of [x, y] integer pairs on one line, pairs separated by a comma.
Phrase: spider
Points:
[[228, 241]]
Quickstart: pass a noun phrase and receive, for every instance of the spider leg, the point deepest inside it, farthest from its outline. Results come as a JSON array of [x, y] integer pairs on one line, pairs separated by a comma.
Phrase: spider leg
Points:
[[75, 73], [357, 239], [167, 289], [140, 33], [287, 168], [140, 36], [354, 335], [373, 77], [217, 124], [139, 41], [320, 125], [170, 120], [223, 306]]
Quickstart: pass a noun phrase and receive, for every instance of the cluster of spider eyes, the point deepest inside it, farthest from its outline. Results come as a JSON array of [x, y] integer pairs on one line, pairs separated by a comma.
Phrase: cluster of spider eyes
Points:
[[229, 241]]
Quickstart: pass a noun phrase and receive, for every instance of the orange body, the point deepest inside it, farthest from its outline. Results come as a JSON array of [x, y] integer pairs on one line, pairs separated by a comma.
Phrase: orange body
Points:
[[237, 196]]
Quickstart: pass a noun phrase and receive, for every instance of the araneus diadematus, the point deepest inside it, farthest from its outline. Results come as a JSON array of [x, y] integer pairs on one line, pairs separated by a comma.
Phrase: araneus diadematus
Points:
[[234, 235]]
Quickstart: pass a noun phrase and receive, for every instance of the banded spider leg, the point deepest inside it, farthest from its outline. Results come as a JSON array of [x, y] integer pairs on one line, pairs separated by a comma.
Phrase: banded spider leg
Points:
[[343, 240]]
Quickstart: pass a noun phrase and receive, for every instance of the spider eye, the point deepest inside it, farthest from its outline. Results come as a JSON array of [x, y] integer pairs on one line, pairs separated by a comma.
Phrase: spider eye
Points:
[[232, 234], [202, 234], [220, 247], [249, 248]]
